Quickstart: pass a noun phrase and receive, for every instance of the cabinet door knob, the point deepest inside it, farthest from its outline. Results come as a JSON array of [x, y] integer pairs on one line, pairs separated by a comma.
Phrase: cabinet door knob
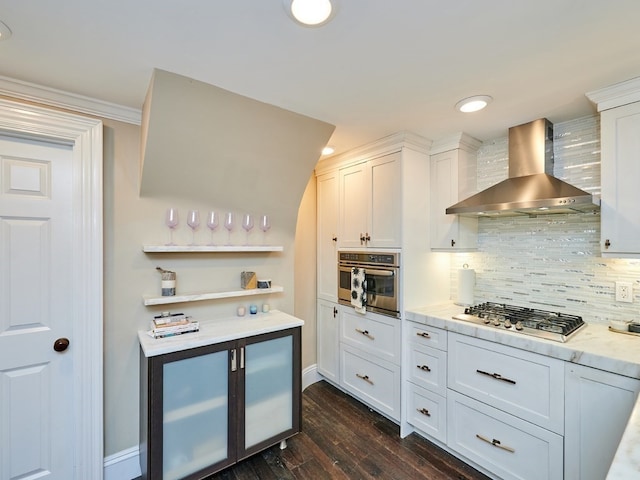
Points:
[[335, 239]]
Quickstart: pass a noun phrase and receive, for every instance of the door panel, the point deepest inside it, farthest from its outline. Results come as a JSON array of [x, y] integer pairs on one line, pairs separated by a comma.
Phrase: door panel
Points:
[[36, 391]]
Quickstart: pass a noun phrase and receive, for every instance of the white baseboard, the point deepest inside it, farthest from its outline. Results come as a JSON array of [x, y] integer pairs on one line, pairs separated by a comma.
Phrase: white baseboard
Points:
[[125, 465], [310, 376]]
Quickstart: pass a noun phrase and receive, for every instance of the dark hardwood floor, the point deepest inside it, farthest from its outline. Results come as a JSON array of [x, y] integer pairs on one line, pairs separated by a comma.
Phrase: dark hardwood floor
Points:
[[343, 439]]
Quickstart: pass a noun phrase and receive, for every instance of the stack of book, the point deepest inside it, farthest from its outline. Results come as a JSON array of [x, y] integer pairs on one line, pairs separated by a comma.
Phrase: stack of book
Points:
[[168, 325]]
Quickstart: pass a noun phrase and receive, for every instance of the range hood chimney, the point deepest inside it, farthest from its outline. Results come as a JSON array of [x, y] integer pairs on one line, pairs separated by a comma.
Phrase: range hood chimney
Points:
[[531, 188]]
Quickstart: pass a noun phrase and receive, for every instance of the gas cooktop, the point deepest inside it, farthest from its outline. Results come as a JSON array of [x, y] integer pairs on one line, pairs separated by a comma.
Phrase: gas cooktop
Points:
[[528, 321]]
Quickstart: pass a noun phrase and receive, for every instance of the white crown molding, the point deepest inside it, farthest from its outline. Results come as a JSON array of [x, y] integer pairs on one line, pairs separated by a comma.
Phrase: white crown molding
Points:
[[389, 144], [70, 101], [616, 95], [456, 141]]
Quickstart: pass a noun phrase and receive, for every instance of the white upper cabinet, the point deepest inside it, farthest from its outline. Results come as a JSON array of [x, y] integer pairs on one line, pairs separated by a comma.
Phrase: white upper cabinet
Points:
[[327, 231], [620, 171], [370, 210], [619, 105], [453, 178]]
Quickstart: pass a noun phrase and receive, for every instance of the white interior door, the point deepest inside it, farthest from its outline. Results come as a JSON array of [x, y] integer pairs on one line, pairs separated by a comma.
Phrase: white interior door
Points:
[[36, 381], [50, 295]]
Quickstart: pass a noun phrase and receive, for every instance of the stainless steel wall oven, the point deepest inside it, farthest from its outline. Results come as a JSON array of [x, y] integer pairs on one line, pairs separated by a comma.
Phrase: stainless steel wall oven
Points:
[[382, 280]]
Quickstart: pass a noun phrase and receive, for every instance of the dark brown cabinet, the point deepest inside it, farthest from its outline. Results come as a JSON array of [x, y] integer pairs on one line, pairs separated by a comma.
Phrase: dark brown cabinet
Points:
[[205, 408]]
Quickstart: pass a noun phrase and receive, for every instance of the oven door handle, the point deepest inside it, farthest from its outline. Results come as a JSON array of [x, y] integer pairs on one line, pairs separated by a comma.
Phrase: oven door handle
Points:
[[379, 273]]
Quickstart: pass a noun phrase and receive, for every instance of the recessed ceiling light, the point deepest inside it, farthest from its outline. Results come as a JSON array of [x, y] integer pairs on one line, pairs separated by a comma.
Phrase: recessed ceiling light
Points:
[[328, 150], [310, 13], [5, 32], [473, 104]]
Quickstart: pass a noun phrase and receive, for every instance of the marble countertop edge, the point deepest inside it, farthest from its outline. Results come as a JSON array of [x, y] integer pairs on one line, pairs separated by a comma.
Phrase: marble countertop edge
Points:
[[218, 331]]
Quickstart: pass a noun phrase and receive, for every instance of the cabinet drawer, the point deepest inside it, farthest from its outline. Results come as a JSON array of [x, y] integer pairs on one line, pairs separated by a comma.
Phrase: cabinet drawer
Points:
[[428, 336], [372, 333], [427, 411], [428, 368], [374, 381], [507, 446], [524, 384]]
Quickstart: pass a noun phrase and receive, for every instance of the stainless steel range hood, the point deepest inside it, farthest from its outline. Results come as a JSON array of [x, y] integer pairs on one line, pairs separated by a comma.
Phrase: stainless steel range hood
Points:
[[531, 188]]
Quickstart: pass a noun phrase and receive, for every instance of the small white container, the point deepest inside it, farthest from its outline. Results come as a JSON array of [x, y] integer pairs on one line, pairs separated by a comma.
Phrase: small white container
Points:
[[619, 325]]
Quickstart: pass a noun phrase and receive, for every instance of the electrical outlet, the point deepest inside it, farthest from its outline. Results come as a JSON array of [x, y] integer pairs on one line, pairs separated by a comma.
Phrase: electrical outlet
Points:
[[624, 292]]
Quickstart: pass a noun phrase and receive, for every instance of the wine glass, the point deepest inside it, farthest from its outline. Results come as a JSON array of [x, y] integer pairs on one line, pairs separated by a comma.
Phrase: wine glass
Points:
[[193, 220], [212, 223], [265, 225], [228, 224], [171, 220], [247, 224]]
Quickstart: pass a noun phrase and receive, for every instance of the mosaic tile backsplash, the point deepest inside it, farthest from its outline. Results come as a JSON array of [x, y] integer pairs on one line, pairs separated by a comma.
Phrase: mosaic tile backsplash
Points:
[[551, 262]]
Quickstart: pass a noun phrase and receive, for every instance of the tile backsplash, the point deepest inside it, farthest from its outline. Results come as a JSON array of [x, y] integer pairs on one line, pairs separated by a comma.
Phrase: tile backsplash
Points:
[[551, 262]]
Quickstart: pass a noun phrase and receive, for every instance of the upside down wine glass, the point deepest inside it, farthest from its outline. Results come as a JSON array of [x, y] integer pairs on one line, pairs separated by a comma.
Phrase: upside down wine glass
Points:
[[171, 221]]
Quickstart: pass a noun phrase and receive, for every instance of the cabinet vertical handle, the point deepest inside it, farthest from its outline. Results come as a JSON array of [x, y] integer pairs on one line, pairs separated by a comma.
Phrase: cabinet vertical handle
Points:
[[335, 312], [453, 242], [607, 243], [361, 238], [234, 365], [241, 358], [367, 237]]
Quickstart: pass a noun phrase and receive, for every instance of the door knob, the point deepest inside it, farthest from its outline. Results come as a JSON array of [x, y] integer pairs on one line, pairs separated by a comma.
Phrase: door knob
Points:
[[61, 344]]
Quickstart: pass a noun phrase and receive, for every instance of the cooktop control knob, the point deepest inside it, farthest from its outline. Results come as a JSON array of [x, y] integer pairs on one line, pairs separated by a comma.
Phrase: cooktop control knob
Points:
[[507, 324], [519, 326]]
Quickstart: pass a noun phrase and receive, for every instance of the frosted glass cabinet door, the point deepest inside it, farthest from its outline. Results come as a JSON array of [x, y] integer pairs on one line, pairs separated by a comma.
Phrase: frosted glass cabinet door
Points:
[[272, 390], [195, 414]]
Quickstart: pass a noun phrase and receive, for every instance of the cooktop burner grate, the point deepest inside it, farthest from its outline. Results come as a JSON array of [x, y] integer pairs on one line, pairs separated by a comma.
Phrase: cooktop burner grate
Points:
[[529, 321]]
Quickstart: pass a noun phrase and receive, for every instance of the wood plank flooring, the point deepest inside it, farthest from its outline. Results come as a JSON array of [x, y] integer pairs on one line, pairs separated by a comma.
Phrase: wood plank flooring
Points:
[[343, 439]]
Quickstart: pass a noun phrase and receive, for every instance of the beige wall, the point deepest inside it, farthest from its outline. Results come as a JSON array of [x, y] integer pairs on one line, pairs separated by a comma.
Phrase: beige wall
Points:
[[131, 221]]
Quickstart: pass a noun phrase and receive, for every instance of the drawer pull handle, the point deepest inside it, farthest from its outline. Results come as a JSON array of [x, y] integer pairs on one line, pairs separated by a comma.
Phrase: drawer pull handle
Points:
[[497, 376], [423, 335], [365, 333], [365, 378], [496, 443], [424, 411], [424, 368]]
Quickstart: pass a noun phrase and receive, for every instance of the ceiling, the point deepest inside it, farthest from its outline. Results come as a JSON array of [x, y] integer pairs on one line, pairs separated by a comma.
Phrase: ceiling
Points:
[[378, 67]]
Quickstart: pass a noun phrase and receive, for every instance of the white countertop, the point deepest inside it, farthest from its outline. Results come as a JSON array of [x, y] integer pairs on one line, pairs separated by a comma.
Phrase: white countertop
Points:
[[219, 330], [593, 346]]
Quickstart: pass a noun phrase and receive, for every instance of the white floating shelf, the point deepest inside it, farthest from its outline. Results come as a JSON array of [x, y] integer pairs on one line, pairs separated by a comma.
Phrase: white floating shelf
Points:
[[211, 248], [195, 297]]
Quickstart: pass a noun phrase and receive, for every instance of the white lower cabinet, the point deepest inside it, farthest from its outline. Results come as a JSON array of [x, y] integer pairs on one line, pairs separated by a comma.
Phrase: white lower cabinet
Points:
[[427, 411], [598, 405], [328, 340], [370, 347], [503, 444]]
